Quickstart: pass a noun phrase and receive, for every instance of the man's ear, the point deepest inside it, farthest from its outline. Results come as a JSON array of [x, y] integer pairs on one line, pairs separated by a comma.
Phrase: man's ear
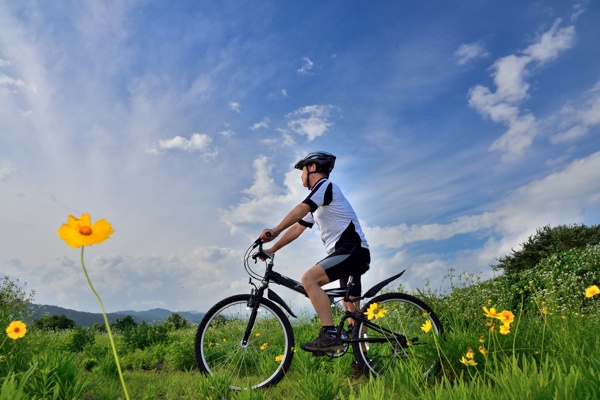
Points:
[[312, 167]]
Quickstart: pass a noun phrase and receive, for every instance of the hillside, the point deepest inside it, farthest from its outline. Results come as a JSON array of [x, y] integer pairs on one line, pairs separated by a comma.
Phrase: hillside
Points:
[[82, 318]]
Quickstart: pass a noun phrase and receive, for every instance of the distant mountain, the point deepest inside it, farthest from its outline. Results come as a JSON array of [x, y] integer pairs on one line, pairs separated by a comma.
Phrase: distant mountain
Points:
[[81, 318]]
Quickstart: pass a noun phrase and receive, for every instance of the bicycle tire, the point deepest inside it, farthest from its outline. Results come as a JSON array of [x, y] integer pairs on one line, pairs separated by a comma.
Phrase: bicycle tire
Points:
[[263, 361], [413, 347]]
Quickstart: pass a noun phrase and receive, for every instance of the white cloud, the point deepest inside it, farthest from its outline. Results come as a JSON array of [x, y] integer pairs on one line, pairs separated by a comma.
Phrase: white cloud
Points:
[[235, 106], [469, 52], [307, 67], [227, 133], [311, 121], [510, 75], [260, 125], [576, 122], [563, 197], [197, 142]]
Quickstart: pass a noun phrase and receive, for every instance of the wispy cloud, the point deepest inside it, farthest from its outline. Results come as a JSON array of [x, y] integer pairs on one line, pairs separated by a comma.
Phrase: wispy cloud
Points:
[[470, 52], [260, 125], [307, 67], [235, 106], [198, 142], [311, 121], [510, 73]]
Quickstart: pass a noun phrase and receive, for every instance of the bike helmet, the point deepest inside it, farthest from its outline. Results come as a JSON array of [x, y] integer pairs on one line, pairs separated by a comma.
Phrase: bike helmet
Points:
[[321, 158]]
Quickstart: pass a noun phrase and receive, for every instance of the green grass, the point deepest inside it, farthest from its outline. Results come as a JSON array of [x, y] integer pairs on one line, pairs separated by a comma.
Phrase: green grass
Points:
[[551, 352]]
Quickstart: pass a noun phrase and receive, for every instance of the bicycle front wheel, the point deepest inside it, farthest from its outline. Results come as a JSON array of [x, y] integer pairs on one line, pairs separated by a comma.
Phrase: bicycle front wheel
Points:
[[396, 335], [260, 362]]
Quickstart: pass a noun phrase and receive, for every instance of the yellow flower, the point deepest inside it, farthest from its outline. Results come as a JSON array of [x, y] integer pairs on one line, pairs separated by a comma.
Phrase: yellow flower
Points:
[[224, 340], [79, 232], [279, 358], [469, 363], [491, 313], [470, 354], [482, 338], [489, 301], [16, 330], [375, 312], [257, 335], [264, 346], [483, 351], [426, 327], [592, 291], [505, 329], [506, 317], [544, 311]]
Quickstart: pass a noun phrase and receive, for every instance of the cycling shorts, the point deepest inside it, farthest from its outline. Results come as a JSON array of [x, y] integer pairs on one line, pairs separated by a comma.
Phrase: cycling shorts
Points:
[[345, 261]]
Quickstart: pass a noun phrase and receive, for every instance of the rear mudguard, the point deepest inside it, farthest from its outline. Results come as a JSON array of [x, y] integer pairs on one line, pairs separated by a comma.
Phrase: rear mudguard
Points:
[[373, 291], [271, 295]]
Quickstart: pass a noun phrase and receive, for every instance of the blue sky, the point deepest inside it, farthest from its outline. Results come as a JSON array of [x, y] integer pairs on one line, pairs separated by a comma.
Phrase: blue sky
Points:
[[460, 128]]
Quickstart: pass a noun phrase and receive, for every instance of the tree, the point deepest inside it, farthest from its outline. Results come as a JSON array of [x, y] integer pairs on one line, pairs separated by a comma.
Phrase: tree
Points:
[[125, 323], [54, 322], [175, 322], [13, 300], [544, 243]]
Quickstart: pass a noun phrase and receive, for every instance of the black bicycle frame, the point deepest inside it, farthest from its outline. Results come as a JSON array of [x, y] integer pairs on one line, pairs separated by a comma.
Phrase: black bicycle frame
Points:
[[271, 276]]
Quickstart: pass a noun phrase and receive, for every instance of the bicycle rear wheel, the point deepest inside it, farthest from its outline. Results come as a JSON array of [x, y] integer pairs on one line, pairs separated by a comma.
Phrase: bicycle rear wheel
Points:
[[261, 362], [397, 338]]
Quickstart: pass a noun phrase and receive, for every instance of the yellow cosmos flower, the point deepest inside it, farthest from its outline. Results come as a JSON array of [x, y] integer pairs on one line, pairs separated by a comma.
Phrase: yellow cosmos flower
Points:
[[79, 232], [264, 346], [16, 330], [491, 313], [375, 312], [279, 358], [468, 362], [592, 291], [507, 317], [470, 354], [483, 351], [505, 329], [426, 327]]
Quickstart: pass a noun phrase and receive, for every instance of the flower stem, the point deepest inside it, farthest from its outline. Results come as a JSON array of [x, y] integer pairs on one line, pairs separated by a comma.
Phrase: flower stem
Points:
[[112, 342]]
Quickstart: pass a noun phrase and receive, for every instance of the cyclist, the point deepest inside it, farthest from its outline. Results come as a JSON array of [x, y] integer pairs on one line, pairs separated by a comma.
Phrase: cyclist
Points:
[[345, 244]]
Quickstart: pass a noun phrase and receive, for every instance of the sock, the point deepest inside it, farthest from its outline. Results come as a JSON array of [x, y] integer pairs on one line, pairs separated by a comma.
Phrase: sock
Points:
[[331, 330]]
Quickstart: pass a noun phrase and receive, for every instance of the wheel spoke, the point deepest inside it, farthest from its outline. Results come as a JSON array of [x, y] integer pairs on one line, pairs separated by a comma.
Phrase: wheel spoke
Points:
[[265, 357]]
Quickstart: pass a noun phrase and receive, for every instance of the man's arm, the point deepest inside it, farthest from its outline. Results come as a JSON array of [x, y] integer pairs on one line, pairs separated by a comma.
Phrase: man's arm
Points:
[[293, 217], [289, 236]]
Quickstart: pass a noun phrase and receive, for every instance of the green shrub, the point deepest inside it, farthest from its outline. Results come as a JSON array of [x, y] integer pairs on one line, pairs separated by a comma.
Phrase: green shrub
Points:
[[180, 356], [546, 242], [80, 338], [144, 335]]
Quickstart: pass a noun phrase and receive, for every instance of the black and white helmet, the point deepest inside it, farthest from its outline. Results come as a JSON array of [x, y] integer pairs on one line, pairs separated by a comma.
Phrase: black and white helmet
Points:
[[322, 158]]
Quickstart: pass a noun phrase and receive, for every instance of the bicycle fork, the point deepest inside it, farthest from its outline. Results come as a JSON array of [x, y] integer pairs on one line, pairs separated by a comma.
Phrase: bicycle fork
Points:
[[254, 303]]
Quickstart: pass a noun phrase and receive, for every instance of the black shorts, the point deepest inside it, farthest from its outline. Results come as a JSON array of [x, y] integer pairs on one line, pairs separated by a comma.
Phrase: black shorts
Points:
[[344, 262]]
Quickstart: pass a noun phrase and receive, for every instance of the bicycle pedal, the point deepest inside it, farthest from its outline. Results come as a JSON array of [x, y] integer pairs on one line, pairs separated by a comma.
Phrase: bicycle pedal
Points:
[[318, 353]]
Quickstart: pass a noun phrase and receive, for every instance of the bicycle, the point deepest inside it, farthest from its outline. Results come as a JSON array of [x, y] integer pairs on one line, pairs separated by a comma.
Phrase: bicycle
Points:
[[249, 339]]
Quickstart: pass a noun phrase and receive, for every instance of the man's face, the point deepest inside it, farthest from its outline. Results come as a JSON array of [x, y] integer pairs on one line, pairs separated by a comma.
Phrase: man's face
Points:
[[304, 176], [305, 170]]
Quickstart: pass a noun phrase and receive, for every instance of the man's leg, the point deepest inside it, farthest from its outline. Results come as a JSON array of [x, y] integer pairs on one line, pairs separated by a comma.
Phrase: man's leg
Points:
[[312, 280], [327, 341]]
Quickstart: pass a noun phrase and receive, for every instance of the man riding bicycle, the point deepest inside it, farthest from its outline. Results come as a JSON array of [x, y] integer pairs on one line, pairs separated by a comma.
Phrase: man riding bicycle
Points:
[[341, 233]]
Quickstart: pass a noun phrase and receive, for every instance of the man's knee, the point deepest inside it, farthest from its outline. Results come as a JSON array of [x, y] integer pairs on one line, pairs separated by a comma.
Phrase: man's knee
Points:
[[315, 275]]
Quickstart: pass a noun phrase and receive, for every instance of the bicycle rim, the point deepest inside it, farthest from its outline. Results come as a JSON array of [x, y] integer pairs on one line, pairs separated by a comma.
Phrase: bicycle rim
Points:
[[263, 361], [408, 347]]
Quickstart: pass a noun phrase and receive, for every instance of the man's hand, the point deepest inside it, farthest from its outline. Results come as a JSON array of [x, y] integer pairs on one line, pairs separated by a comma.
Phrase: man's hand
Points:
[[268, 234]]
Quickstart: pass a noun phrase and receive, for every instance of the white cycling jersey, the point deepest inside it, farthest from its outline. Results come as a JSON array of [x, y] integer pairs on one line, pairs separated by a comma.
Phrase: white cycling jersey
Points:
[[334, 216]]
